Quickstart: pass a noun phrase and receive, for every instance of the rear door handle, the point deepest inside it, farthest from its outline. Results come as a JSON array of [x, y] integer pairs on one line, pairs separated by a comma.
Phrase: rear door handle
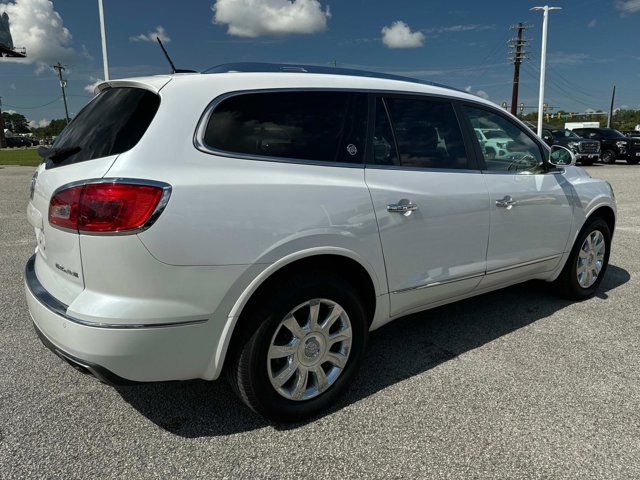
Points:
[[507, 202], [404, 206]]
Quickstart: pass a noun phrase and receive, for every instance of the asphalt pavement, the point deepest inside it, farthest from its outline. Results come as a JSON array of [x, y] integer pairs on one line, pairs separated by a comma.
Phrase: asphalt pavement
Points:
[[513, 384]]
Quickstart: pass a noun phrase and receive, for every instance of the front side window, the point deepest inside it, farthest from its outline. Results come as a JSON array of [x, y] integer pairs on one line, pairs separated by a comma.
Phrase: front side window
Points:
[[511, 150], [427, 133], [313, 126]]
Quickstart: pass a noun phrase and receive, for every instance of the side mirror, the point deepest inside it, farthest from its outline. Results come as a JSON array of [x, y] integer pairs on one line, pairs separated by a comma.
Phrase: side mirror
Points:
[[561, 156]]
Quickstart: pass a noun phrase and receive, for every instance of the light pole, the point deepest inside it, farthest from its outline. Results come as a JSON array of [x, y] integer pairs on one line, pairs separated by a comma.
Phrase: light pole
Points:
[[104, 41], [543, 60]]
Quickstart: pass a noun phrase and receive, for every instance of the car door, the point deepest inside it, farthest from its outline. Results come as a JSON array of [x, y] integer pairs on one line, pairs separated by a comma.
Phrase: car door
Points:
[[430, 201], [531, 206]]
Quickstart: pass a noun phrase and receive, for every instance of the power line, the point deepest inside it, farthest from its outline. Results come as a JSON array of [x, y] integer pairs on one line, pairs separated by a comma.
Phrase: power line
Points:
[[34, 107]]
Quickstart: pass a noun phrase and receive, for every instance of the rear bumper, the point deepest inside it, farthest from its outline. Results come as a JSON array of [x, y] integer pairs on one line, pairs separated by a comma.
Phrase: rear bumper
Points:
[[113, 353]]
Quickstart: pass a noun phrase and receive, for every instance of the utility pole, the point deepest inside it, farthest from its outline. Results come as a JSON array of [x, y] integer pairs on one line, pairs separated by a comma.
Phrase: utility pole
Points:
[[103, 35], [613, 99], [3, 140], [516, 46], [543, 60], [63, 83]]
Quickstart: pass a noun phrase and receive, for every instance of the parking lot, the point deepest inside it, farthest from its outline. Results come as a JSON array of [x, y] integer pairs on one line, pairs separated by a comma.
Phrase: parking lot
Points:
[[513, 384]]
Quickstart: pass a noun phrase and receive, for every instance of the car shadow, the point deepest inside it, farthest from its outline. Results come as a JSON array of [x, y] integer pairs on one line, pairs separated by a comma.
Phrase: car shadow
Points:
[[403, 349]]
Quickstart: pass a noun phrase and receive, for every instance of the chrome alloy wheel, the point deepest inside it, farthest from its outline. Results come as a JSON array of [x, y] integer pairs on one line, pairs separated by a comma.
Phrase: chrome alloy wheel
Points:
[[591, 259], [309, 349]]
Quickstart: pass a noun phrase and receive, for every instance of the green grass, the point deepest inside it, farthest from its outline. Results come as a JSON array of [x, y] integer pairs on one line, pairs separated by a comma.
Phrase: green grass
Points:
[[20, 156]]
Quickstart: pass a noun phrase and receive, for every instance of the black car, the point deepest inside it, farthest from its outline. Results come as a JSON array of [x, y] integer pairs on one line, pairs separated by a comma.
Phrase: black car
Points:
[[16, 142], [586, 151], [614, 144], [632, 133]]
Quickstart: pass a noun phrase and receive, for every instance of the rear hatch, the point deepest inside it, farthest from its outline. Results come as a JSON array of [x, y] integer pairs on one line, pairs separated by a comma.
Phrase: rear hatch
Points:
[[112, 123]]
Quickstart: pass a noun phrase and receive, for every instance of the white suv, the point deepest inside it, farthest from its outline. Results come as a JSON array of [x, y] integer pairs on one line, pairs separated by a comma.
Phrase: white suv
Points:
[[261, 223]]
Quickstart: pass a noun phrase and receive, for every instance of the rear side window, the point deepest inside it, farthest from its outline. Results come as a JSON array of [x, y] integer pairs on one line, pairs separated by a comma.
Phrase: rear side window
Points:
[[111, 123], [312, 126], [427, 133]]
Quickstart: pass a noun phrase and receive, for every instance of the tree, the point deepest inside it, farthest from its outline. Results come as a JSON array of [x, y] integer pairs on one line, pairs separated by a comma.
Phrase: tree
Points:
[[52, 130], [16, 122]]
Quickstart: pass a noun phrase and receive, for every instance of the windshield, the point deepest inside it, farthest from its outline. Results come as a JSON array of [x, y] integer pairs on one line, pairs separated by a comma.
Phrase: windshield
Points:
[[112, 123], [565, 134], [494, 134]]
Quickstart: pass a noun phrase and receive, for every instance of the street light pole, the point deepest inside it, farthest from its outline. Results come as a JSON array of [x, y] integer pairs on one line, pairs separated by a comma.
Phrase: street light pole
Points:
[[103, 34], [543, 61]]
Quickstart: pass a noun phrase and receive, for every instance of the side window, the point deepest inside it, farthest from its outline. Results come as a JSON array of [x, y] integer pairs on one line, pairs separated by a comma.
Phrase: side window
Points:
[[508, 147], [315, 126], [427, 133], [384, 147]]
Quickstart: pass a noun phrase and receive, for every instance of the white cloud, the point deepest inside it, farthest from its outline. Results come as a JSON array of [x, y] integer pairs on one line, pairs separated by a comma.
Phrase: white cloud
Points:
[[628, 6], [254, 18], [592, 23], [13, 86], [399, 35], [458, 29], [95, 81], [159, 32], [36, 26], [40, 123], [478, 93]]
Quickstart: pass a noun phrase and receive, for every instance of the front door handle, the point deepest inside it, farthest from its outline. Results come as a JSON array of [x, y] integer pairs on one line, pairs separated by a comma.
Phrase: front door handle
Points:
[[507, 202], [404, 206]]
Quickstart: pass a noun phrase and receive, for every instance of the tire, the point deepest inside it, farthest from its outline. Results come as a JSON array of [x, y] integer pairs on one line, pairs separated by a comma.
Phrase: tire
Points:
[[608, 157], [568, 283], [633, 161], [253, 375], [586, 163]]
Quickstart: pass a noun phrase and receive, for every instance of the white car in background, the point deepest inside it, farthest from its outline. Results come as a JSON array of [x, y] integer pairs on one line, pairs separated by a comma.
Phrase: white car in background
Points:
[[260, 221]]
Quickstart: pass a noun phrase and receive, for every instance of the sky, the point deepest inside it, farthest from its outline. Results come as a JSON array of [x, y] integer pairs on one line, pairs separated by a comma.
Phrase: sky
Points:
[[592, 44]]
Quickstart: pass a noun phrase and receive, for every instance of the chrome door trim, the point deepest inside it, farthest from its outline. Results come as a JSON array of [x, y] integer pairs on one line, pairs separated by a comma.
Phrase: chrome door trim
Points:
[[435, 284], [523, 264], [469, 277]]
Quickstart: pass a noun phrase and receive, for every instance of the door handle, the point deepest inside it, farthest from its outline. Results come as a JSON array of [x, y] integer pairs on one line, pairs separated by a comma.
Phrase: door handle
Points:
[[507, 202], [404, 206]]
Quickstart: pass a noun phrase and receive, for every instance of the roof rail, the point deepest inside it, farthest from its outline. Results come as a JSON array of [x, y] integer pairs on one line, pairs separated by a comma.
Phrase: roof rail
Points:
[[297, 68]]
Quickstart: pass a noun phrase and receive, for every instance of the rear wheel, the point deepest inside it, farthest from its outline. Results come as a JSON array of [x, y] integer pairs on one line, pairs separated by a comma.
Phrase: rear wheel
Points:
[[308, 340], [587, 263], [608, 157]]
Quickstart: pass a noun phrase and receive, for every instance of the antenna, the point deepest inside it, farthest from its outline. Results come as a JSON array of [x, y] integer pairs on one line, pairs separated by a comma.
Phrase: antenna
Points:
[[164, 50]]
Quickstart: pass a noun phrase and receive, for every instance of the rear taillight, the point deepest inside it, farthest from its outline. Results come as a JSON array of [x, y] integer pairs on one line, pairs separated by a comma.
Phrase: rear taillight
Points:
[[108, 207]]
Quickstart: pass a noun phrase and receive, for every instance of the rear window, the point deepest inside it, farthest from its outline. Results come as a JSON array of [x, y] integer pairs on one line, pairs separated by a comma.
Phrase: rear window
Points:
[[311, 126], [111, 123]]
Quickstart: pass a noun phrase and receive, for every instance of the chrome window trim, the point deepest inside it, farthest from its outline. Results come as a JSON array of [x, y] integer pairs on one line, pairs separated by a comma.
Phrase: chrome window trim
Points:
[[57, 307], [162, 204], [199, 144]]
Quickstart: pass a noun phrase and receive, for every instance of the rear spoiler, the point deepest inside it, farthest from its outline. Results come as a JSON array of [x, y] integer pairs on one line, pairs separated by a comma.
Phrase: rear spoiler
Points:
[[153, 84]]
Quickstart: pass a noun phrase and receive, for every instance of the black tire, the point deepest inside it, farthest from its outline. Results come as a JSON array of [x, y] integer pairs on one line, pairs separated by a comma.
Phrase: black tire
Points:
[[633, 161], [567, 283], [608, 157], [248, 369]]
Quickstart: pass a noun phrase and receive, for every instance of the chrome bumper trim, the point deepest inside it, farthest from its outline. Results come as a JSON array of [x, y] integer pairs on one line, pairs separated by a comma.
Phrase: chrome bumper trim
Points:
[[59, 308]]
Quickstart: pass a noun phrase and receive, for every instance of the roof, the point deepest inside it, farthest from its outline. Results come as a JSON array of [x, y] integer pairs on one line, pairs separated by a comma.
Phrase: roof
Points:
[[256, 67]]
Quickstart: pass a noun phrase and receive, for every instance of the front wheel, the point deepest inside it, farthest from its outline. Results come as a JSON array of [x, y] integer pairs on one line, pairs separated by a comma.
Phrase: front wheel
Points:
[[308, 340], [587, 263], [608, 157]]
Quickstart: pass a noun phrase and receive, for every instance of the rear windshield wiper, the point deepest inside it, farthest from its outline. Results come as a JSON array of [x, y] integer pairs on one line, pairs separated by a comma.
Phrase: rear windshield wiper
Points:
[[57, 155]]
